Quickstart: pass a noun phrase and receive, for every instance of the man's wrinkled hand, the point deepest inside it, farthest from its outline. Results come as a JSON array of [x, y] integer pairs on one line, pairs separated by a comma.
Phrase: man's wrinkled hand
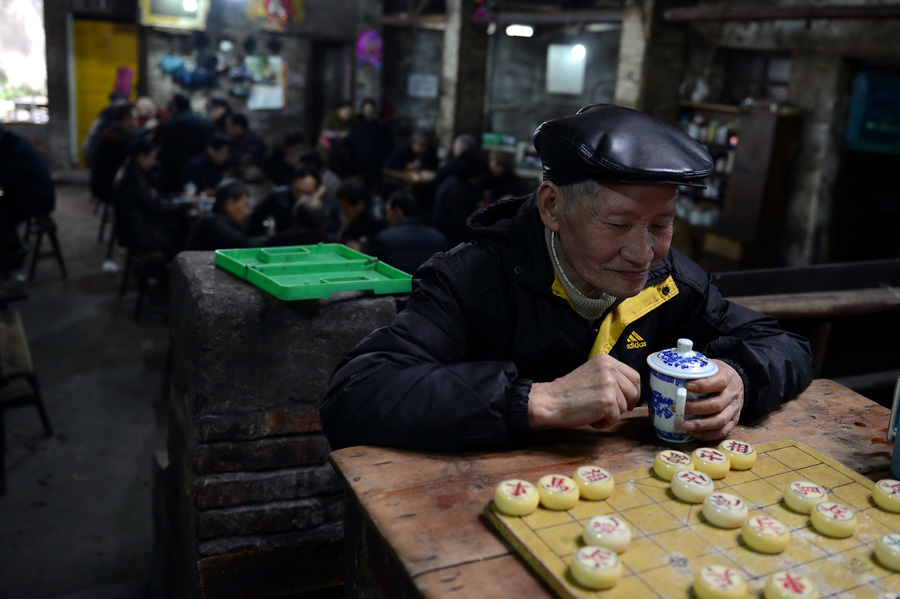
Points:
[[596, 393], [717, 414]]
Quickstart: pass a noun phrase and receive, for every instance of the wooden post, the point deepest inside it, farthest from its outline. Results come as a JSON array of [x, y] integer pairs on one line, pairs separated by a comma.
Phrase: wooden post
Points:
[[463, 74]]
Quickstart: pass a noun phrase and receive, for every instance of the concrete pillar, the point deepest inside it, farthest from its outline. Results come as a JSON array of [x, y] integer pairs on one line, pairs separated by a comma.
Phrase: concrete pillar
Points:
[[818, 88], [651, 59], [254, 509], [367, 78], [463, 74]]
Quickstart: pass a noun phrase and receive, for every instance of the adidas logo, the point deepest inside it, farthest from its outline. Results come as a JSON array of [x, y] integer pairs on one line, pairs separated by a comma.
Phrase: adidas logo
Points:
[[635, 341]]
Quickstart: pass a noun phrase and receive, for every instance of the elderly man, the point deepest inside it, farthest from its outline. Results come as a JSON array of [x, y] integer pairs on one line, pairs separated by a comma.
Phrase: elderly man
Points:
[[534, 323]]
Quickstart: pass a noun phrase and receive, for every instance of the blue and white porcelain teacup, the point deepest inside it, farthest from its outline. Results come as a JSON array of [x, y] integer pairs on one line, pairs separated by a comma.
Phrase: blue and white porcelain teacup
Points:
[[670, 369]]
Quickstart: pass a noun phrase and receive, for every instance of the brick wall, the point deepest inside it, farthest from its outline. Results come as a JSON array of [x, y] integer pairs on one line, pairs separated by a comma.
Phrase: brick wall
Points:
[[248, 478]]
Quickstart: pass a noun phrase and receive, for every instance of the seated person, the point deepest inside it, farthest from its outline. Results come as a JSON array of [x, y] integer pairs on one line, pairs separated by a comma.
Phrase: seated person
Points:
[[330, 183], [501, 181], [285, 158], [463, 144], [112, 150], [223, 227], [356, 206], [420, 154], [205, 171], [309, 221], [407, 242], [28, 191], [458, 197], [275, 210], [180, 137], [247, 149], [527, 327], [145, 221], [218, 110]]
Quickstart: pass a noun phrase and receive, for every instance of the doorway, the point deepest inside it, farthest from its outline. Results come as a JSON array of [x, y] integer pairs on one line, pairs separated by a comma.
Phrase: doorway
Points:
[[102, 48], [867, 218], [330, 81]]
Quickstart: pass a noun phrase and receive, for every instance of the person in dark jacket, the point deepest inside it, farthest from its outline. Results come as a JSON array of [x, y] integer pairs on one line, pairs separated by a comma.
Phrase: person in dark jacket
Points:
[[309, 220], [285, 158], [458, 197], [28, 191], [222, 228], [356, 206], [205, 171], [501, 181], [145, 221], [104, 120], [180, 137], [218, 110], [112, 150], [275, 209], [546, 320], [407, 242], [369, 141], [247, 149], [420, 154], [463, 144]]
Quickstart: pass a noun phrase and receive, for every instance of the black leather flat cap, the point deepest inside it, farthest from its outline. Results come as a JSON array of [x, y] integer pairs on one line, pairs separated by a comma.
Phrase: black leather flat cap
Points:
[[619, 145]]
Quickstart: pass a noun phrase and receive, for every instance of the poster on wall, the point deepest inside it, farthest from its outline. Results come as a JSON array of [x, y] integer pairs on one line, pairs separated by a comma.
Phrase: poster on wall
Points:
[[278, 14], [422, 86], [267, 82]]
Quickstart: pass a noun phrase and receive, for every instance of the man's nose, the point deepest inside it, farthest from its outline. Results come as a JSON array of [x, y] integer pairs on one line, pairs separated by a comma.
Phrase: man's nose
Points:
[[638, 248]]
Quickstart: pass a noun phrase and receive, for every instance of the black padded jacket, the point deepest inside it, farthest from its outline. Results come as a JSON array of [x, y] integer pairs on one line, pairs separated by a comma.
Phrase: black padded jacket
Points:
[[453, 371]]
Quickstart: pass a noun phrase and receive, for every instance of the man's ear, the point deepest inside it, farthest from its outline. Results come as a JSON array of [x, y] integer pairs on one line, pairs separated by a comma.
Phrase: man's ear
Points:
[[550, 205]]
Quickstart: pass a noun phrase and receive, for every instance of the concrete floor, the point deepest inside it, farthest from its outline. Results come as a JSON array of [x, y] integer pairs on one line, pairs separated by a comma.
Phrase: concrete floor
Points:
[[76, 518]]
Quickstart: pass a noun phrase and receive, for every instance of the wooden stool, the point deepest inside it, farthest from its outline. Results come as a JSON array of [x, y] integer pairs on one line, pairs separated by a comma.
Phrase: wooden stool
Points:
[[18, 382], [44, 225], [140, 261]]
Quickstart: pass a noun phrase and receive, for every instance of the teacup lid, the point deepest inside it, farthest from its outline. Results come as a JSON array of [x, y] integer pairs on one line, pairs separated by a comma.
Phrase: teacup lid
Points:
[[682, 362]]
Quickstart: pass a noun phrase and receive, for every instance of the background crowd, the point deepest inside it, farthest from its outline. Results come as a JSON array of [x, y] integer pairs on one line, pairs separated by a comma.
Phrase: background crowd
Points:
[[180, 180]]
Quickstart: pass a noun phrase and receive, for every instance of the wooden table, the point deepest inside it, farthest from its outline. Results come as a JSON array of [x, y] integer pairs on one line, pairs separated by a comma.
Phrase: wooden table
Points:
[[414, 523], [408, 177]]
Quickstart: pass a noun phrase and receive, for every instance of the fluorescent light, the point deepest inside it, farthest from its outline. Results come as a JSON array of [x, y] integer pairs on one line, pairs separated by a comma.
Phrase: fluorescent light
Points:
[[578, 52], [189, 5], [519, 30]]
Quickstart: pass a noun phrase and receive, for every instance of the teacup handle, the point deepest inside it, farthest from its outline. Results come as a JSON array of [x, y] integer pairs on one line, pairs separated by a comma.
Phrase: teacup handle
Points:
[[680, 399], [895, 413]]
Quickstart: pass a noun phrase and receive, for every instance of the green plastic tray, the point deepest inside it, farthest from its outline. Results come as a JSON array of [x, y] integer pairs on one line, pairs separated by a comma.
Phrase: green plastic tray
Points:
[[312, 271]]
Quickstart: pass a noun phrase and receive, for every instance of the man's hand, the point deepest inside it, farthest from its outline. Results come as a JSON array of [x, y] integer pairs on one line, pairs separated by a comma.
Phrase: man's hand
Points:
[[719, 412], [596, 393]]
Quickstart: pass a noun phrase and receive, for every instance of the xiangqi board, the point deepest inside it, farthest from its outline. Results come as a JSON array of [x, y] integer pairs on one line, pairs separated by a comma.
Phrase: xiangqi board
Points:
[[672, 540]]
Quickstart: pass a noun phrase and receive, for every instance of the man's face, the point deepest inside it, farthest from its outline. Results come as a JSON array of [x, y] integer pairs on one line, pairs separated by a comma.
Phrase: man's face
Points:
[[420, 146], [129, 123], [292, 154], [237, 209], [220, 156], [608, 243], [304, 186], [232, 129], [351, 211]]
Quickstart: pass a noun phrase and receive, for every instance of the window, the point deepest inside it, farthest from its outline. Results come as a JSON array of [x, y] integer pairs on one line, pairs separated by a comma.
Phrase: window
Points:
[[23, 62]]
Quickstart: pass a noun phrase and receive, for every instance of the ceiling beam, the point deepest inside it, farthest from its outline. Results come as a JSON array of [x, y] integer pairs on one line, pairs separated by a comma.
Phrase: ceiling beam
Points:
[[575, 17], [780, 13], [435, 22]]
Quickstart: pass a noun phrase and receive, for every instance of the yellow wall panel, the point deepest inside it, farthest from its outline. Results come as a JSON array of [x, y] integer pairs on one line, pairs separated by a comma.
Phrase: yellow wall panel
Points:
[[100, 48]]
